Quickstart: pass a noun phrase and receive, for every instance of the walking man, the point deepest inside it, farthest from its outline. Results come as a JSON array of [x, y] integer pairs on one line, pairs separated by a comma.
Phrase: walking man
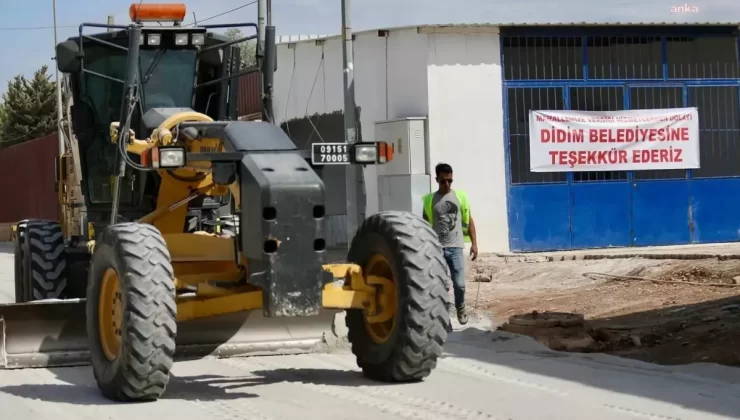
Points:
[[448, 211]]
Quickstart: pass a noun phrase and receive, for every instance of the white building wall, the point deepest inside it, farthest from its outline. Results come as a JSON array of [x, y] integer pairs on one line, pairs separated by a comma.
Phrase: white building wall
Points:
[[466, 126], [390, 82], [450, 75]]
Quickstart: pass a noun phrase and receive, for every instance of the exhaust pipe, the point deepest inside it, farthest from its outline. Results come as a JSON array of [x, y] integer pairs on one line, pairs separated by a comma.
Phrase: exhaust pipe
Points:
[[269, 65]]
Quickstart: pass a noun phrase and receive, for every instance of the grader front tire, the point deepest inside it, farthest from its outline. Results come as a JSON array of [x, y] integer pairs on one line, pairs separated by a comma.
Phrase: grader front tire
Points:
[[403, 246], [131, 313]]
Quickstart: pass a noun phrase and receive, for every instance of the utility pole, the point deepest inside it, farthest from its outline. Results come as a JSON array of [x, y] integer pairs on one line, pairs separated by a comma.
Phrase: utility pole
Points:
[[111, 22], [354, 172], [60, 113]]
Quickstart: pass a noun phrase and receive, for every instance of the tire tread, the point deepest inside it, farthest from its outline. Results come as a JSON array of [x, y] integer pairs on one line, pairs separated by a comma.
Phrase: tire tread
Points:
[[150, 320], [422, 332], [47, 276]]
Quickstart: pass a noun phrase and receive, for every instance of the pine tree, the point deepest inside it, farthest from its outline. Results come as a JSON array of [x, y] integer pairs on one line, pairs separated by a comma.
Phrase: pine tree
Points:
[[29, 109], [247, 49]]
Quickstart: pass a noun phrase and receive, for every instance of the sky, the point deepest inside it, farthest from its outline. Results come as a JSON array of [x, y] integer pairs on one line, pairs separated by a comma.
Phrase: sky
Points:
[[29, 39]]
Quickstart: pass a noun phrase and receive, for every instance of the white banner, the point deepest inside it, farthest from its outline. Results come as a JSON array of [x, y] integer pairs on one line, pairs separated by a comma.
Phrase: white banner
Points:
[[575, 141]]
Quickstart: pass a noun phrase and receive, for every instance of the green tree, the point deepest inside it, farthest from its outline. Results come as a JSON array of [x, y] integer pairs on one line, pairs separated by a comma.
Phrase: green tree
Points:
[[29, 108], [247, 49], [2, 120]]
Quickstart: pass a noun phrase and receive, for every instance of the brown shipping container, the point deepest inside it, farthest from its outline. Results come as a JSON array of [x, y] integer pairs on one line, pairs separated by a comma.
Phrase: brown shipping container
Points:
[[27, 180], [250, 99]]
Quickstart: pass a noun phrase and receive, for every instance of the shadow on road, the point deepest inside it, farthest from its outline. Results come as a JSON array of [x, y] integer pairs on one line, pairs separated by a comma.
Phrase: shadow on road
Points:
[[707, 387], [676, 335], [80, 387]]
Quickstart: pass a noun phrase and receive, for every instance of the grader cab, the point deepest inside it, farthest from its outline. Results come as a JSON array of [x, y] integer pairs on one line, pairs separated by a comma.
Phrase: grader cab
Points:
[[123, 283]]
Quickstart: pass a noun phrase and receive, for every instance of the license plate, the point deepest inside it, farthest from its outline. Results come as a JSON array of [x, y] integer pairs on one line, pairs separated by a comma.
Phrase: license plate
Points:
[[329, 154]]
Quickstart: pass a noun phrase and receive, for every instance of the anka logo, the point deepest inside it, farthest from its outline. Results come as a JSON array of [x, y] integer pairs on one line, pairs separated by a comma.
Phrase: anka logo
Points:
[[685, 8]]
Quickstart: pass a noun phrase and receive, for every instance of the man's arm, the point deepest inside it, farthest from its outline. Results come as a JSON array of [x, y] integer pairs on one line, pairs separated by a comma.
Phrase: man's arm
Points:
[[473, 238]]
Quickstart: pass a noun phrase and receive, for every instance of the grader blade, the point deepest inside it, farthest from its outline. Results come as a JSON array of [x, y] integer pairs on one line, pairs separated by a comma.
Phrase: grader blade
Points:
[[53, 334], [43, 334]]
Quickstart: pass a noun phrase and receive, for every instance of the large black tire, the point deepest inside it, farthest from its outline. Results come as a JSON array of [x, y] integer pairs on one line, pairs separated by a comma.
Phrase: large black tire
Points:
[[419, 332], [141, 369], [18, 259], [43, 261]]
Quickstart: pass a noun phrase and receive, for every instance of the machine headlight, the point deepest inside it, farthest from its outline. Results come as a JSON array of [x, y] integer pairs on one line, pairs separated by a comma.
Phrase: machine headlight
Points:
[[198, 39], [366, 153], [154, 39], [171, 157], [181, 39]]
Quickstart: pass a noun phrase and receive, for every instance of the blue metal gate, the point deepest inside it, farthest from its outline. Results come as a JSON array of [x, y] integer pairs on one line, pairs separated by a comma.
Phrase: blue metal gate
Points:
[[580, 69]]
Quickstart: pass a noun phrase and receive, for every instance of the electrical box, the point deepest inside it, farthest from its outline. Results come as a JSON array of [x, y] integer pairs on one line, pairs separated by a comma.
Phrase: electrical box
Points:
[[403, 182], [408, 137]]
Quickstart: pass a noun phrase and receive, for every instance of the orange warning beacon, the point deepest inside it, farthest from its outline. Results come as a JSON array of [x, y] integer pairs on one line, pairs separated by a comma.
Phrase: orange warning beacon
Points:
[[157, 12]]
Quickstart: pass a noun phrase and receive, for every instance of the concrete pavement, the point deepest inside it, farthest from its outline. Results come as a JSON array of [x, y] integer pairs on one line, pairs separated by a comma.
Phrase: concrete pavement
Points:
[[483, 375]]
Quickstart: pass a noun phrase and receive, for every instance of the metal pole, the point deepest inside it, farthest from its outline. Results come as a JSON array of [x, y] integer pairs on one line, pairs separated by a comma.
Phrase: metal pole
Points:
[[132, 79], [269, 12], [261, 23], [350, 122], [268, 73], [60, 113], [111, 21]]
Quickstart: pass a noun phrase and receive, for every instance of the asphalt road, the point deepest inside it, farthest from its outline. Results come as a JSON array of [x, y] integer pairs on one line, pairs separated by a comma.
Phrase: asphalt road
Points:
[[483, 375]]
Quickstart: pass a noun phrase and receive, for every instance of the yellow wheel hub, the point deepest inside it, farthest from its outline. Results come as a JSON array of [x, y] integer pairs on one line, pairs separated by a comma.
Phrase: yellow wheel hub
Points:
[[110, 314], [386, 299]]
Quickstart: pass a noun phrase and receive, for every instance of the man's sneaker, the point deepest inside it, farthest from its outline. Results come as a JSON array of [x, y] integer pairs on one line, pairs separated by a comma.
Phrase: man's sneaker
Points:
[[462, 315]]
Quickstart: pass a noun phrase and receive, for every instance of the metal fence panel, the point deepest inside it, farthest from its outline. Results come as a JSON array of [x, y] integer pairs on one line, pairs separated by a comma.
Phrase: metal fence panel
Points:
[[719, 130], [28, 180], [624, 57], [702, 57], [524, 56], [598, 98], [520, 102], [250, 96], [657, 97]]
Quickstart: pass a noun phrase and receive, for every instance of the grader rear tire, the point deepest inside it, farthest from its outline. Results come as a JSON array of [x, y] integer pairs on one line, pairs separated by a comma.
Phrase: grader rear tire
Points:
[[131, 313], [402, 247], [41, 261]]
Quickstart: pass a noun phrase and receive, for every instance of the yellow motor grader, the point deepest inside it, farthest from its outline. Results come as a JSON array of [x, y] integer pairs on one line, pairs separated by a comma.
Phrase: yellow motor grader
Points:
[[120, 282]]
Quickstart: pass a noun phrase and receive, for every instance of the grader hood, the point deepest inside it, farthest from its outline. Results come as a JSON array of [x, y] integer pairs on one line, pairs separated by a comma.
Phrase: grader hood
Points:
[[52, 334]]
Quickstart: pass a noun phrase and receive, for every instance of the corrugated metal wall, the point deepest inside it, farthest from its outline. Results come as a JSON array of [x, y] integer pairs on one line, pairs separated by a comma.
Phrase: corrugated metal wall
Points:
[[27, 180], [250, 99]]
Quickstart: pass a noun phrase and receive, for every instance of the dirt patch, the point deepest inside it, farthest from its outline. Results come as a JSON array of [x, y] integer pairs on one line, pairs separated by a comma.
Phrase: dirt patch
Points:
[[557, 330], [684, 321], [704, 271]]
